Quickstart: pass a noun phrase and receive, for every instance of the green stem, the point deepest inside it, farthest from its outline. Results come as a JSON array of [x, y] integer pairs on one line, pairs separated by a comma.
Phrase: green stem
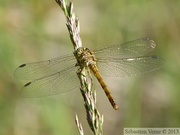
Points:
[[95, 120]]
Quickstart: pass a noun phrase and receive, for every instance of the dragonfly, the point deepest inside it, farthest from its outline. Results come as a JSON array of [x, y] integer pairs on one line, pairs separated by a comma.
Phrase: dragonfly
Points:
[[58, 75]]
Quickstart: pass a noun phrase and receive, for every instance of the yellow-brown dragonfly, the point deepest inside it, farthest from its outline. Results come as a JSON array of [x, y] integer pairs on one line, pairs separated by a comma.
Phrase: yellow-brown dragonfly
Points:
[[59, 74]]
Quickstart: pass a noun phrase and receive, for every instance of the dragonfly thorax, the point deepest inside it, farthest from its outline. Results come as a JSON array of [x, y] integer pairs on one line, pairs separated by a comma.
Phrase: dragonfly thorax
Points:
[[84, 56]]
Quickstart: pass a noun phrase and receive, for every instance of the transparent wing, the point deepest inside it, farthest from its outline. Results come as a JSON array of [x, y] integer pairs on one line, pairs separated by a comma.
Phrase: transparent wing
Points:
[[59, 82], [124, 67], [35, 70], [136, 47]]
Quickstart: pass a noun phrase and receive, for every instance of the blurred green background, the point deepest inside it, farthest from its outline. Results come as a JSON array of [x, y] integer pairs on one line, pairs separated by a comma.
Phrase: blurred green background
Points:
[[35, 30]]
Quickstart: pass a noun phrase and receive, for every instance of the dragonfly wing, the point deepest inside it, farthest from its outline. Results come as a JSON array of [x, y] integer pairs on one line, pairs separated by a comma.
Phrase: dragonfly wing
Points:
[[124, 67], [59, 82], [35, 70], [136, 47]]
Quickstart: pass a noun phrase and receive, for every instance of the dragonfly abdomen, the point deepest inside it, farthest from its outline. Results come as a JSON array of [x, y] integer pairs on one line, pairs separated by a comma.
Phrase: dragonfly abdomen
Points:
[[103, 85]]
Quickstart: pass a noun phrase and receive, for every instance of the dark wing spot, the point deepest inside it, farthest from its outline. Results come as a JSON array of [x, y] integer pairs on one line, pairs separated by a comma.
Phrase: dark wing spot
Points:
[[22, 65], [27, 84]]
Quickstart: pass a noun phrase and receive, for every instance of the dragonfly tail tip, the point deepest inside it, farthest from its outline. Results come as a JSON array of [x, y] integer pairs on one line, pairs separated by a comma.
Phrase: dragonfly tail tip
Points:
[[115, 107]]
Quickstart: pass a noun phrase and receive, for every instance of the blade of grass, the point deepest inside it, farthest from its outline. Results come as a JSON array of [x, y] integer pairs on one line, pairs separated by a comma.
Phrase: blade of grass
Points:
[[95, 120]]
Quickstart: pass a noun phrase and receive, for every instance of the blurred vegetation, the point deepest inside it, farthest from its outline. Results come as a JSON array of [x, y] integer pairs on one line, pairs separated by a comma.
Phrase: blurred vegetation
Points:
[[35, 30]]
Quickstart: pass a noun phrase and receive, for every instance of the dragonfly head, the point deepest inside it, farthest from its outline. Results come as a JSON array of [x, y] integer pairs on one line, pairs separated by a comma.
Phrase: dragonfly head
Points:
[[84, 56]]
